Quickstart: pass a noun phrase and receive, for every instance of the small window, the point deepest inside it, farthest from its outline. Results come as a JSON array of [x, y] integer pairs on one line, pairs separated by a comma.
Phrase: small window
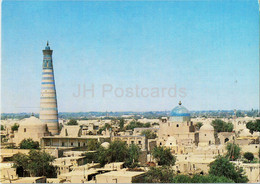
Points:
[[170, 143], [255, 146], [177, 125], [205, 134], [71, 144], [62, 144], [78, 144], [132, 142], [139, 142], [160, 143], [24, 129]]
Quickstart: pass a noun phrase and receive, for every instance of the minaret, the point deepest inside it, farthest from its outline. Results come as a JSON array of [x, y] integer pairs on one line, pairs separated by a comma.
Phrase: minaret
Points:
[[49, 109]]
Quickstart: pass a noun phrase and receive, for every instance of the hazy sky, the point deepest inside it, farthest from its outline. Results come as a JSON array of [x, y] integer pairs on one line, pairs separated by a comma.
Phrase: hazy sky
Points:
[[202, 53]]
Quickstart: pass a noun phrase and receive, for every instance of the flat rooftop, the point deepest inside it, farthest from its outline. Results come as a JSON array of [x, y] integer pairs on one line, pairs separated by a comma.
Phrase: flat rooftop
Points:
[[79, 173], [22, 180], [76, 137], [122, 173]]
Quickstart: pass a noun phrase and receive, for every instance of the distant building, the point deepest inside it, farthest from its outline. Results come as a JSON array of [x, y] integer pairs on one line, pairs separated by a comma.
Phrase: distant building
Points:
[[119, 177], [139, 140]]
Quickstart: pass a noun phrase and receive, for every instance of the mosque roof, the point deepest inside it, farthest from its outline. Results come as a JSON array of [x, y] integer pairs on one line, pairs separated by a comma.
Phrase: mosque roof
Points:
[[207, 127], [180, 111], [32, 121]]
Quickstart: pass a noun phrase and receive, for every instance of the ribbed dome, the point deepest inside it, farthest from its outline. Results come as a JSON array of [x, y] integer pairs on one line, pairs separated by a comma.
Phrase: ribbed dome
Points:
[[207, 127], [180, 111]]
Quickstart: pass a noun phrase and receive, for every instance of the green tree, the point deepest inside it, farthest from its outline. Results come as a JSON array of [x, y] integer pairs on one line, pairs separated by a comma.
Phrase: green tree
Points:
[[259, 153], [2, 127], [98, 156], [201, 179], [210, 179], [147, 125], [101, 156], [37, 163], [60, 127], [249, 156], [104, 128], [15, 127], [72, 122], [222, 167], [253, 126], [136, 124], [90, 157], [92, 145], [163, 156], [149, 134], [233, 151], [121, 123], [163, 174], [181, 179], [21, 160], [133, 156], [117, 151], [198, 125], [29, 144], [222, 126]]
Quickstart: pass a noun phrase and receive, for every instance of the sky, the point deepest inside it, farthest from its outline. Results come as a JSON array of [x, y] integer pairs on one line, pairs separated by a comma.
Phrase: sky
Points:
[[135, 55]]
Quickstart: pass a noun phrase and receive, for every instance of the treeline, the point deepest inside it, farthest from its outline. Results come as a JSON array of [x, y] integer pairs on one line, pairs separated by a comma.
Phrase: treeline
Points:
[[137, 115]]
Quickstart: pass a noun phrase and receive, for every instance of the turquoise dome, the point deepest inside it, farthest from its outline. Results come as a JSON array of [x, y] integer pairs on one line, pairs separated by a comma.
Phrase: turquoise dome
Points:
[[180, 111]]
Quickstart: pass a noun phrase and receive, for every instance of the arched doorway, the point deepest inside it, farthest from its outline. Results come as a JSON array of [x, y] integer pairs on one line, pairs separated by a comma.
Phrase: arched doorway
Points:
[[226, 140], [20, 171]]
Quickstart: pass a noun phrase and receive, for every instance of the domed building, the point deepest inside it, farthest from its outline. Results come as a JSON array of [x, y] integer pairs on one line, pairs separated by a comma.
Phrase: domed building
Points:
[[179, 126], [206, 135], [179, 114], [31, 127]]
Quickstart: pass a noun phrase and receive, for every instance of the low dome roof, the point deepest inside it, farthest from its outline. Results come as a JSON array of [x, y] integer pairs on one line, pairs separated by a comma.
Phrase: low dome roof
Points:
[[32, 121], [245, 132], [105, 144], [180, 111], [207, 127]]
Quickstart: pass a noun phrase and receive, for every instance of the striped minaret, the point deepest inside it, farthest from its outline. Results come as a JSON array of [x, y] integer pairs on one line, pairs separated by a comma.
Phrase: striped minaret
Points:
[[49, 109]]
